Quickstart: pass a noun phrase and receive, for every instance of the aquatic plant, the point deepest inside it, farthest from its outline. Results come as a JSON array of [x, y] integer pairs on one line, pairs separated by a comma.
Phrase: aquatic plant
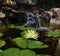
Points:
[[30, 34], [27, 41], [54, 34]]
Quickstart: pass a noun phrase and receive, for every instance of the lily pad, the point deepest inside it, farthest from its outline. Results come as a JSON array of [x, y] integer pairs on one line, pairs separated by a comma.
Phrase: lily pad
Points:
[[1, 52], [36, 44], [1, 34], [12, 52], [20, 27], [2, 43], [21, 42], [53, 34], [27, 53]]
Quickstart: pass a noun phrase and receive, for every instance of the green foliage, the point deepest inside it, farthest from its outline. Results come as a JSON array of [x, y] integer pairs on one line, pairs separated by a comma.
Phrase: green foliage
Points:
[[20, 27], [1, 34], [2, 43], [1, 52], [12, 52], [17, 27], [54, 34], [12, 26], [21, 42], [24, 42], [36, 44], [3, 27], [27, 53], [18, 52]]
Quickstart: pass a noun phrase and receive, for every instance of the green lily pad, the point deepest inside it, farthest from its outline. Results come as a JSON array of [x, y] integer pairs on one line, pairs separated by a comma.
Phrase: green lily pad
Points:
[[27, 53], [21, 42], [12, 52], [36, 44], [1, 34], [54, 34], [2, 43], [20, 27], [1, 52]]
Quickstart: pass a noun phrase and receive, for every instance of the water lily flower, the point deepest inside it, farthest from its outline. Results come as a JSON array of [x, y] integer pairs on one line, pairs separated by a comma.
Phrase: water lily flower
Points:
[[31, 34]]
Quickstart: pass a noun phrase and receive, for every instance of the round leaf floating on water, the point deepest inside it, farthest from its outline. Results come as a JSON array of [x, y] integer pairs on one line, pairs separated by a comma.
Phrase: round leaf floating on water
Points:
[[1, 52], [1, 34], [12, 52], [2, 43], [32, 44], [21, 42], [53, 34], [27, 53]]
